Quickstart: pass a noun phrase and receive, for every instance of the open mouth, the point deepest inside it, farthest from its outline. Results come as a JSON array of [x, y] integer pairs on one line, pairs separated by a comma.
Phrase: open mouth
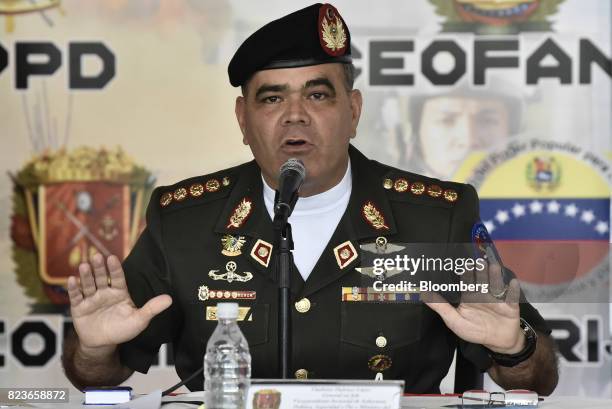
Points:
[[295, 142]]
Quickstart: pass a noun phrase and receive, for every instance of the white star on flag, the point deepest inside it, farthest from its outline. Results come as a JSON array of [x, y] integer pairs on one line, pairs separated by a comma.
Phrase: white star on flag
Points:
[[587, 216], [502, 216], [490, 226], [571, 210], [553, 207], [518, 210], [601, 227], [536, 206]]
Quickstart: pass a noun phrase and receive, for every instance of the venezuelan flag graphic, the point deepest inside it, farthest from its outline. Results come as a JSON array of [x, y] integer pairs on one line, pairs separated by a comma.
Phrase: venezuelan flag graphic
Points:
[[549, 216]]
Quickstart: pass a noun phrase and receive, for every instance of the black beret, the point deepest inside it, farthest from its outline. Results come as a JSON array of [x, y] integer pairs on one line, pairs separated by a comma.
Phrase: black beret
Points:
[[313, 35]]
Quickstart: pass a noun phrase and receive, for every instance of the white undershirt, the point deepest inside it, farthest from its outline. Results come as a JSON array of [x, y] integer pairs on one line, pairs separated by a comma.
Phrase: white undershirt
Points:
[[314, 220]]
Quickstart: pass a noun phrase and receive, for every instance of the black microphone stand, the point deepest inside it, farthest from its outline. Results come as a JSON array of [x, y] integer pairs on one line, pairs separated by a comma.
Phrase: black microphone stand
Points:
[[283, 266]]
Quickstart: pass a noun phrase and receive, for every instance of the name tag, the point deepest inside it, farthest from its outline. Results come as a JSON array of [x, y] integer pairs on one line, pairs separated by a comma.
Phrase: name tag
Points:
[[211, 313], [327, 394]]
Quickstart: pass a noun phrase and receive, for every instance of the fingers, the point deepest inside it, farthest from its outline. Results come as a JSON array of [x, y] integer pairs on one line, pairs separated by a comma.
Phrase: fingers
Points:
[[87, 281], [513, 295], [437, 303], [100, 274], [154, 306], [74, 292], [116, 273], [496, 279]]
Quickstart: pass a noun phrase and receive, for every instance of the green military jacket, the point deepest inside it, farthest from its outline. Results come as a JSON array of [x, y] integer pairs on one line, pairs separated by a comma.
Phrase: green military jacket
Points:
[[210, 239]]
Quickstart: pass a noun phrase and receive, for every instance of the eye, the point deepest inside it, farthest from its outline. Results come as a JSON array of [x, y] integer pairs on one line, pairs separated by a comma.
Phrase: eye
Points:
[[318, 96], [272, 99]]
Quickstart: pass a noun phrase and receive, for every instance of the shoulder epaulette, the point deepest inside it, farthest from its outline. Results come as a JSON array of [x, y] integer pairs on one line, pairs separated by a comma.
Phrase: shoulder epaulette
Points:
[[197, 190], [407, 185]]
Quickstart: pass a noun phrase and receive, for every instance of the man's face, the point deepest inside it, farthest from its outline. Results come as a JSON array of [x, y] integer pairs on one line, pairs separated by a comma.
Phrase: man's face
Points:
[[305, 113], [451, 127]]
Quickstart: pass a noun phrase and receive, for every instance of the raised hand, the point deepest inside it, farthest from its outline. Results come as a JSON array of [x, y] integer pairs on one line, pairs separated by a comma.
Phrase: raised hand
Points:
[[490, 319], [103, 312]]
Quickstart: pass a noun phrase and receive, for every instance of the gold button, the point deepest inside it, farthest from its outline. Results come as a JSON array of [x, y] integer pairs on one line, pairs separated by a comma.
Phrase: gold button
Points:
[[301, 374], [381, 341], [303, 305], [387, 184]]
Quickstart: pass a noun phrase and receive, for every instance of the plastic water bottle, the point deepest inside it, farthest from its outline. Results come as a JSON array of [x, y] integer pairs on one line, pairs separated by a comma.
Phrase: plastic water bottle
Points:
[[227, 363]]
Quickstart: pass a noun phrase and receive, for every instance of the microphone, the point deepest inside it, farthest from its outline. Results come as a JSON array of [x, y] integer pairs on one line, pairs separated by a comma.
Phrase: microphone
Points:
[[292, 175]]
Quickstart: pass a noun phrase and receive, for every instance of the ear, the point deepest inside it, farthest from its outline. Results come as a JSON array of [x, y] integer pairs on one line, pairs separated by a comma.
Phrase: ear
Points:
[[241, 117], [356, 103]]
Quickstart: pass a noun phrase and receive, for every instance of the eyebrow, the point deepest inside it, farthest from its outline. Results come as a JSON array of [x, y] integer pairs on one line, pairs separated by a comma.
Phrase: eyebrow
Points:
[[322, 81], [270, 88]]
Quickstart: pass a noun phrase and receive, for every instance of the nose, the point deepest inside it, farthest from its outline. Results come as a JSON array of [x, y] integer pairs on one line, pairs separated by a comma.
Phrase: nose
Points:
[[295, 112]]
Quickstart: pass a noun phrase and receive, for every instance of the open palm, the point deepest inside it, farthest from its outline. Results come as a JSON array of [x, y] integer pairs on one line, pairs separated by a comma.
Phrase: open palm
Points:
[[103, 314]]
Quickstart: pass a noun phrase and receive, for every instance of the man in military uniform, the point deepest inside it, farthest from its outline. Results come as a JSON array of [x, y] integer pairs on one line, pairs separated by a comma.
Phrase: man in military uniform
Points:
[[210, 239]]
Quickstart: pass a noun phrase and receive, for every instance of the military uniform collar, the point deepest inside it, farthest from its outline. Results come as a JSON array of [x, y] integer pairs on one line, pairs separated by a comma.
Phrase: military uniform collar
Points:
[[368, 210]]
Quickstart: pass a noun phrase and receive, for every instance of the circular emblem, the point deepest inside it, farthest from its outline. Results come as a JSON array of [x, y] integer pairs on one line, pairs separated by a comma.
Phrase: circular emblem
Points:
[[212, 185], [387, 184], [234, 294], [303, 305], [165, 199], [203, 293], [434, 191], [344, 254], [400, 185], [417, 188], [262, 252], [196, 189], [381, 341], [450, 195], [226, 294], [379, 363], [180, 194], [381, 242]]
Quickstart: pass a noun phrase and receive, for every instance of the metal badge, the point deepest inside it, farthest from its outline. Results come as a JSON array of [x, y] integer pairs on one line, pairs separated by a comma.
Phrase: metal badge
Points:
[[180, 194], [450, 195], [230, 274], [373, 216], [241, 212], [262, 252], [332, 35], [232, 245], [196, 190], [401, 185], [380, 363], [345, 254], [203, 293], [211, 313], [212, 185]]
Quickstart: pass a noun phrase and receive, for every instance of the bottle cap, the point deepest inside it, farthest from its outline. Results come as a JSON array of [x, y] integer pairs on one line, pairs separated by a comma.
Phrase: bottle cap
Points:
[[227, 310]]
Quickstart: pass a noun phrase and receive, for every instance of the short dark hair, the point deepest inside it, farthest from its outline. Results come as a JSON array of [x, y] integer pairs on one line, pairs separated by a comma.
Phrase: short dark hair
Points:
[[349, 78]]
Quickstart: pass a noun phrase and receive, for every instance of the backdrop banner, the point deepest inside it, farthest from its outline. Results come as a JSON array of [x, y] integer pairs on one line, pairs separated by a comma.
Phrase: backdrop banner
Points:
[[101, 101]]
